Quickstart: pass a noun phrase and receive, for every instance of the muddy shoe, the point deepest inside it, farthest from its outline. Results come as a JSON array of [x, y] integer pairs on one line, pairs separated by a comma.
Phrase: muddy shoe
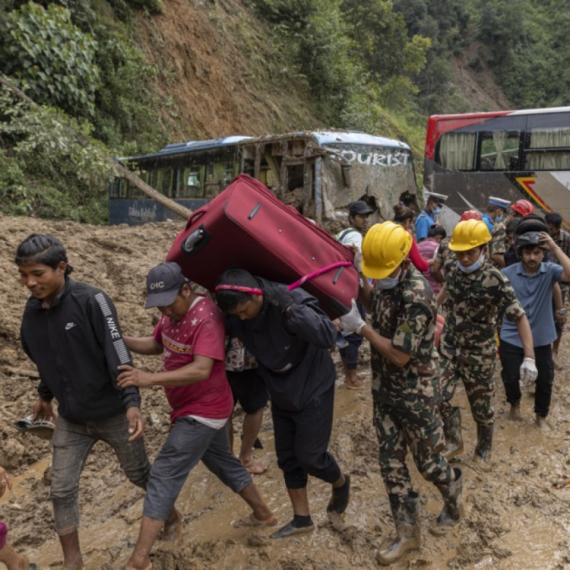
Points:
[[405, 512], [294, 527], [453, 438], [484, 445], [542, 423], [515, 412], [452, 510], [340, 498]]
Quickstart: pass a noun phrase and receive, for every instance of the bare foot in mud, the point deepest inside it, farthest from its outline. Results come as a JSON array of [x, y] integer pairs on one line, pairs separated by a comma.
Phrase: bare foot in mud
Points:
[[543, 423], [352, 381], [253, 466], [172, 530]]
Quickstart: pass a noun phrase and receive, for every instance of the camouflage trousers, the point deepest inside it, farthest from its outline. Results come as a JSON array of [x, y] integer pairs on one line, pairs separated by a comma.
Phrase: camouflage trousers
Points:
[[401, 424], [477, 377]]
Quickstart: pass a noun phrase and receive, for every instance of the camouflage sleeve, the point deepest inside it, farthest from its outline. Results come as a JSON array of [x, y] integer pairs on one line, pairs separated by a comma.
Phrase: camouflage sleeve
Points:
[[499, 241], [438, 258], [508, 303], [413, 328]]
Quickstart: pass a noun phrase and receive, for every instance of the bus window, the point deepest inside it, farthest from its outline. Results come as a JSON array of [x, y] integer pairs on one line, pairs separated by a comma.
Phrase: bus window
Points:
[[547, 160], [456, 151], [190, 183], [550, 138], [499, 151]]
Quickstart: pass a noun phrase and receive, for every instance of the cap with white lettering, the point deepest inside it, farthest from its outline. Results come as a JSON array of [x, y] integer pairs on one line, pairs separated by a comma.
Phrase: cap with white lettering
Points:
[[163, 284]]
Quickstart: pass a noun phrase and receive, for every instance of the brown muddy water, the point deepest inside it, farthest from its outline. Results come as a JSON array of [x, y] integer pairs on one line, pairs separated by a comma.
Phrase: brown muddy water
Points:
[[515, 516]]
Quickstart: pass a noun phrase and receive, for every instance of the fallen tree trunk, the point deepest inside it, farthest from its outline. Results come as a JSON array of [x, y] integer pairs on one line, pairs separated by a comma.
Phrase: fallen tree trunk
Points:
[[117, 166]]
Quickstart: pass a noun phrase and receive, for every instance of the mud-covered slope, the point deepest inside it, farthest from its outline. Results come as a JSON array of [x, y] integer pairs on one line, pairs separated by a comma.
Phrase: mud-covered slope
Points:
[[222, 72], [515, 517]]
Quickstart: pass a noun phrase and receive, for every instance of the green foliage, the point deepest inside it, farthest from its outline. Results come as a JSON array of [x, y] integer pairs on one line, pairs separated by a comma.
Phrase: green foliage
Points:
[[54, 169], [55, 59]]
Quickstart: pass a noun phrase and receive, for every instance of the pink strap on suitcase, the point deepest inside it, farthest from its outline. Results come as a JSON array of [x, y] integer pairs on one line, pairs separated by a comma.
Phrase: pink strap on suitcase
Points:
[[318, 272]]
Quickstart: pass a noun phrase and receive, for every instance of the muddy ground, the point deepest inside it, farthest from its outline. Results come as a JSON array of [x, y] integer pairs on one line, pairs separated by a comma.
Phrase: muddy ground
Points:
[[515, 517]]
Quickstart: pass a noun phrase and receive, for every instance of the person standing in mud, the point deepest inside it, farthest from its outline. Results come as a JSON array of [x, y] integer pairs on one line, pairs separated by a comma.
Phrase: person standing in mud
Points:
[[476, 294], [190, 336], [71, 332], [359, 214], [533, 281], [290, 335], [404, 384]]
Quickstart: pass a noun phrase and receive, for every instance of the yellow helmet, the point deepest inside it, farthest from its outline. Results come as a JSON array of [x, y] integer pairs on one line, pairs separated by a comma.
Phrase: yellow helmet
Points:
[[468, 235], [384, 248]]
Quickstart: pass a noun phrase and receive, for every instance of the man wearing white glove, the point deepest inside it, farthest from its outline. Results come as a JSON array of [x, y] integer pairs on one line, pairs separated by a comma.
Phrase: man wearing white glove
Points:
[[533, 281]]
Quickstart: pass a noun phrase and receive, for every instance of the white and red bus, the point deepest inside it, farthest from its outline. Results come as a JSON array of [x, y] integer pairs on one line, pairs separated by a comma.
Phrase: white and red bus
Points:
[[508, 154]]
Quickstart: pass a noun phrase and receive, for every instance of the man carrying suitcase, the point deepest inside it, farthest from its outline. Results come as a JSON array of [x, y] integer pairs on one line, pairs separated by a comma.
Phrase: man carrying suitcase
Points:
[[290, 335]]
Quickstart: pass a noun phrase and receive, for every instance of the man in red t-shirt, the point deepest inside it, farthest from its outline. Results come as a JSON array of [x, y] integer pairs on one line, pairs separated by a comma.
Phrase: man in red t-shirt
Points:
[[190, 336]]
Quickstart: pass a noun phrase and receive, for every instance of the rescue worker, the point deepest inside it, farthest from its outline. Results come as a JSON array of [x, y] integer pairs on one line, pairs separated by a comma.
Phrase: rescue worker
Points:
[[533, 281], [404, 383], [477, 294], [428, 215], [442, 255], [359, 215], [499, 241], [495, 212], [290, 335]]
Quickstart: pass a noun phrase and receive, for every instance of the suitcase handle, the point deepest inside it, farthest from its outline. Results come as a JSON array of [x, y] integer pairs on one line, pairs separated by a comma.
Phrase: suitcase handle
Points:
[[196, 241], [197, 214], [318, 272]]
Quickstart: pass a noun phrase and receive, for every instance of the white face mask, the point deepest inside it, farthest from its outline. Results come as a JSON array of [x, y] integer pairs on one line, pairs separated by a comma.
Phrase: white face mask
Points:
[[474, 267], [389, 282]]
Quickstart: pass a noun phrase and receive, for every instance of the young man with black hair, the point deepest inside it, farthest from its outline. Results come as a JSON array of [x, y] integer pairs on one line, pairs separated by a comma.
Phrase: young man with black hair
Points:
[[290, 335], [190, 336], [359, 214], [533, 281], [71, 332]]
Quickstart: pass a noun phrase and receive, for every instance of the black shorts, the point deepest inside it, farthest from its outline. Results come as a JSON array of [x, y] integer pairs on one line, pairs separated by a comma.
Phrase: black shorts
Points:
[[248, 389]]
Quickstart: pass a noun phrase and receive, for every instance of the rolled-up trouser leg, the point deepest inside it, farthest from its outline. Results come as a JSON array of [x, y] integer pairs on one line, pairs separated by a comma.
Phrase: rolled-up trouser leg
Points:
[[185, 445], [71, 445]]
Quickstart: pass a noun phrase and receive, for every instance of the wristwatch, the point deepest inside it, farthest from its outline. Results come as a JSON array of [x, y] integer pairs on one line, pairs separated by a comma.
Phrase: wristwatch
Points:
[[562, 311]]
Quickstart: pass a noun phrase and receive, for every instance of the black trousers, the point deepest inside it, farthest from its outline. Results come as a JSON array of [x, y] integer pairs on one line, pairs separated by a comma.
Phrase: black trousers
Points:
[[301, 441], [511, 359]]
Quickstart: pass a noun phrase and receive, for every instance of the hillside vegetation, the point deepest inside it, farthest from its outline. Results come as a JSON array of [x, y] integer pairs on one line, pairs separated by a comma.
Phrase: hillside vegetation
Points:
[[132, 75]]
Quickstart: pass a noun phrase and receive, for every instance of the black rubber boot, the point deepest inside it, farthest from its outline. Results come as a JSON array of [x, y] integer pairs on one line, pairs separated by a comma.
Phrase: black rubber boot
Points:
[[340, 498], [299, 525], [453, 438], [484, 445], [405, 512], [451, 512]]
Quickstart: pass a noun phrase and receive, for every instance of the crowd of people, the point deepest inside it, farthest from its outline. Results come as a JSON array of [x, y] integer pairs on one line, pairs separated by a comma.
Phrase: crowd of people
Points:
[[499, 277]]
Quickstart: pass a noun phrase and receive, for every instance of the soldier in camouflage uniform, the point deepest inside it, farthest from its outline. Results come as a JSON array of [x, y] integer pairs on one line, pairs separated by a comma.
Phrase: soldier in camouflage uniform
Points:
[[477, 294], [404, 383], [444, 256], [499, 239]]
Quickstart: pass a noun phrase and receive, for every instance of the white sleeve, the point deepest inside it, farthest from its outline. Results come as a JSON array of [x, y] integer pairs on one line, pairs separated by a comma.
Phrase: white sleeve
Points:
[[353, 238]]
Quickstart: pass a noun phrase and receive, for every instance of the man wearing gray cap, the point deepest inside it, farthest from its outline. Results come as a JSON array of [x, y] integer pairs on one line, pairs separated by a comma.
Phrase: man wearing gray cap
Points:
[[190, 336], [428, 215]]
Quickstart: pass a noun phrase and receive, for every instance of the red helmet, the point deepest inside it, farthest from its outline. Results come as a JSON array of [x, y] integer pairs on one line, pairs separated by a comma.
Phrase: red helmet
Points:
[[471, 215], [523, 207]]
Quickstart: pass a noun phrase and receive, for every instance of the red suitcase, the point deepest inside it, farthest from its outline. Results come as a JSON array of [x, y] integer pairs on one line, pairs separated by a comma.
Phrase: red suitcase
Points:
[[247, 226]]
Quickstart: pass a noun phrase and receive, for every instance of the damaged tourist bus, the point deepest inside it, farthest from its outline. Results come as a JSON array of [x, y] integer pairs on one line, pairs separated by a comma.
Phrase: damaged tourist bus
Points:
[[318, 173], [508, 154]]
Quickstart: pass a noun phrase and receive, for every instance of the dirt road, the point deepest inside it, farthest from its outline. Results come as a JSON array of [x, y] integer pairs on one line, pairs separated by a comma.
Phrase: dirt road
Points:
[[515, 517]]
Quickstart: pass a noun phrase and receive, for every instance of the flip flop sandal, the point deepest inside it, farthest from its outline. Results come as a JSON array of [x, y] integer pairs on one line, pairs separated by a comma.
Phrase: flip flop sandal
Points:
[[252, 521], [41, 428]]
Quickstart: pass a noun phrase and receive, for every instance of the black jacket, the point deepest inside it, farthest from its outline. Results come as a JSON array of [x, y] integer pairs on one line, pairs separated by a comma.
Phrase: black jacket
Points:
[[77, 346], [290, 347]]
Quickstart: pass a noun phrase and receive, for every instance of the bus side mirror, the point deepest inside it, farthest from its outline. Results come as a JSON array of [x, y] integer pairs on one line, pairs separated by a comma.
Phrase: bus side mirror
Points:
[[347, 175]]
